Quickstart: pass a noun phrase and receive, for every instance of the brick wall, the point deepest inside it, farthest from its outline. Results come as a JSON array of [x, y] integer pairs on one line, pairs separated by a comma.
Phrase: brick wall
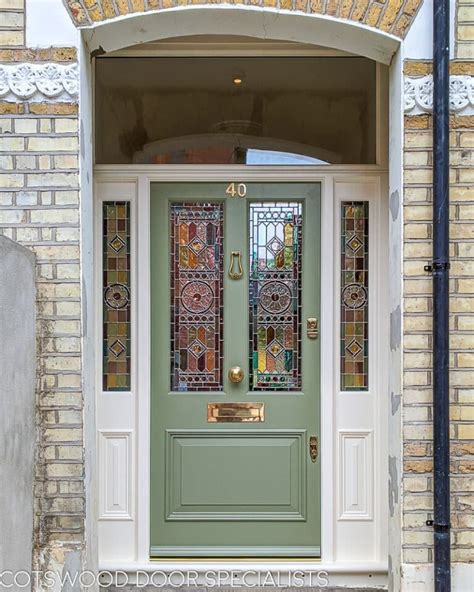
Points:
[[12, 21], [464, 36], [417, 396], [39, 208]]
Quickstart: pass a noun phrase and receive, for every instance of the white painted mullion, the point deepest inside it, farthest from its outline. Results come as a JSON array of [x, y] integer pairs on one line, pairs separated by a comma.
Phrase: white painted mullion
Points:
[[98, 316], [327, 394], [143, 369], [382, 395]]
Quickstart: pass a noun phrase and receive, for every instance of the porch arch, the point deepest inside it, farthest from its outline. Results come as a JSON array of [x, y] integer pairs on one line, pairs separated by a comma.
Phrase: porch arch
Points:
[[391, 16], [250, 21]]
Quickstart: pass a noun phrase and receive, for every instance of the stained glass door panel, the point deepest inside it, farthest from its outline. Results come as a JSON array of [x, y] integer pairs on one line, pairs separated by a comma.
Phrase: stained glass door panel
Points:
[[234, 488], [276, 230], [196, 296]]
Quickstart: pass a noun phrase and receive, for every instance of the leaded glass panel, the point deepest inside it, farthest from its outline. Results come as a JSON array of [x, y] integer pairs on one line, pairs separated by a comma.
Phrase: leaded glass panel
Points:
[[354, 296], [116, 296], [275, 295], [196, 296]]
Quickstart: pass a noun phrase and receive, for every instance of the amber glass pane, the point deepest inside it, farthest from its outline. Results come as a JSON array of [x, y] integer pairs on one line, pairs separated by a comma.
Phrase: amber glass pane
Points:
[[354, 296], [196, 296], [275, 295], [116, 290]]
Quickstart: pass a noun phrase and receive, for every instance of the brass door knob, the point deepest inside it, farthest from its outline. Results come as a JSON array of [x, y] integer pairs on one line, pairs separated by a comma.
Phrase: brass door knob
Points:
[[236, 374]]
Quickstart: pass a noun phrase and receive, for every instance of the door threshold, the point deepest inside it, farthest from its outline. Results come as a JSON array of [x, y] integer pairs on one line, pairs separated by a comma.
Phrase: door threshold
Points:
[[230, 553], [284, 572], [200, 564]]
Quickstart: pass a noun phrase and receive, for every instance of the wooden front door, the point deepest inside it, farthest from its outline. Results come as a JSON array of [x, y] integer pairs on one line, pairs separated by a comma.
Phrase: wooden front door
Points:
[[235, 284]]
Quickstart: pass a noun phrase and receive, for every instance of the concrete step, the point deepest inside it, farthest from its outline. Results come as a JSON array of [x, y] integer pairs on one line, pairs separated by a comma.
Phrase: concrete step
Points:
[[151, 588]]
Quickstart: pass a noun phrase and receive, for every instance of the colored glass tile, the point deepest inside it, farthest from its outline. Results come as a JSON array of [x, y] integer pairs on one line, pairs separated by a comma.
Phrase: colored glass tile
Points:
[[196, 279], [116, 295], [275, 296], [354, 296]]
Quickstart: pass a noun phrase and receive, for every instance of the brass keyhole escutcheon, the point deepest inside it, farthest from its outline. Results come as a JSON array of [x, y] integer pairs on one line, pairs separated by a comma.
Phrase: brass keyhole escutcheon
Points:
[[312, 330], [236, 374], [313, 448]]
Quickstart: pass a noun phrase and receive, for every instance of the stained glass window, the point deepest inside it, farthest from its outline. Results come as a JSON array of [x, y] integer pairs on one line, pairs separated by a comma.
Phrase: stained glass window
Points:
[[354, 296], [275, 295], [196, 296], [116, 303]]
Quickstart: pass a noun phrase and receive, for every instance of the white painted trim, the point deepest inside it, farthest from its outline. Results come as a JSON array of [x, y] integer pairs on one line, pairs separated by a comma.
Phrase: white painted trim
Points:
[[418, 94], [143, 367], [244, 48], [367, 511], [204, 173], [357, 567], [126, 513], [39, 82], [327, 369], [393, 277], [253, 21]]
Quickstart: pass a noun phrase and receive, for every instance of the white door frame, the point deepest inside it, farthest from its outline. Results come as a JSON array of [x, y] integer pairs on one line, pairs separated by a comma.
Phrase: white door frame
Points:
[[354, 418]]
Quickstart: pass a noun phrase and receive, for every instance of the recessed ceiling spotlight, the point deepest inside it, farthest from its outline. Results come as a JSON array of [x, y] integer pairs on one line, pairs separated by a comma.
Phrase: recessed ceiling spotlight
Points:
[[238, 78]]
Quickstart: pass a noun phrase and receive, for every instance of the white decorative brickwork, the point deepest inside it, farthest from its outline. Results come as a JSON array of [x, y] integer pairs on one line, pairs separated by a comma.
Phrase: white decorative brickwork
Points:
[[419, 94], [39, 82]]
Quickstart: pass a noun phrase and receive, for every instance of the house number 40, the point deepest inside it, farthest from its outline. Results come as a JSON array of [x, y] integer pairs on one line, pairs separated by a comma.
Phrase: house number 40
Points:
[[236, 189]]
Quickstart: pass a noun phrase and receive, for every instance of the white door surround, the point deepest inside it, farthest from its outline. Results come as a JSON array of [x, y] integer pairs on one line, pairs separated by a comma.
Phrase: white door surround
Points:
[[353, 423], [340, 428]]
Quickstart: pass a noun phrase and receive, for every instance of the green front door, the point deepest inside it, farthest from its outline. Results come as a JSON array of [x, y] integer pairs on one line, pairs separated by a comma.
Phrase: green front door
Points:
[[235, 276]]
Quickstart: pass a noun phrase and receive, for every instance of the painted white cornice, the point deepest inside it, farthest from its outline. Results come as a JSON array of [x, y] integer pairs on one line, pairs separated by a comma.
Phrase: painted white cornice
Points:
[[418, 94], [39, 82]]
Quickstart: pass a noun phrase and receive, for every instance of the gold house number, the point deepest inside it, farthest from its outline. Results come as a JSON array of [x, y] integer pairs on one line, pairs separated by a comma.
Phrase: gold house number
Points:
[[236, 189]]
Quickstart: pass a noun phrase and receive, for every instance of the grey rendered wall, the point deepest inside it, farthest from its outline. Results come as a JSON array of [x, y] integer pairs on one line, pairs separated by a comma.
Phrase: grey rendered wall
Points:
[[17, 405]]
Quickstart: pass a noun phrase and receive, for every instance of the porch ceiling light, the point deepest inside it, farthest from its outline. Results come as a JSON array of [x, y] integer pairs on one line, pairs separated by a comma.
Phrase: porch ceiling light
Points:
[[238, 78]]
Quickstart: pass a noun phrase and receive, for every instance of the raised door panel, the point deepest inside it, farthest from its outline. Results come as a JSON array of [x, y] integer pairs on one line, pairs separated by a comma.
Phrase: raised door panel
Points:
[[227, 475]]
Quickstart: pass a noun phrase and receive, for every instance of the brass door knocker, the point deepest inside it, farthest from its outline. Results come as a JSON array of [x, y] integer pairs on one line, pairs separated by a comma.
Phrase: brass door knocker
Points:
[[235, 275]]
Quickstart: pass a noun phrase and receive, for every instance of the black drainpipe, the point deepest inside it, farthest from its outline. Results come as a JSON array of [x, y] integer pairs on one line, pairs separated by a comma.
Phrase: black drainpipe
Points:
[[440, 269]]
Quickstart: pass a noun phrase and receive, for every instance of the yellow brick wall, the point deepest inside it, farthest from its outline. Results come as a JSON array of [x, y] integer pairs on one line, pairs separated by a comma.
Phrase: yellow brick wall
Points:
[[39, 208], [417, 396], [464, 46], [12, 21]]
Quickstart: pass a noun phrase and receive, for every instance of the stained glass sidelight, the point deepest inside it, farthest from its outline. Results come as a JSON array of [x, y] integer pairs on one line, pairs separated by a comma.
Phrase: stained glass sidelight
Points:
[[275, 295], [196, 296], [354, 295], [116, 294]]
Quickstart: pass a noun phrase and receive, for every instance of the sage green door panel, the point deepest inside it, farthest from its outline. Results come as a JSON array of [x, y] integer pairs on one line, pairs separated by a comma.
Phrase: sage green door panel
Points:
[[242, 488], [202, 483]]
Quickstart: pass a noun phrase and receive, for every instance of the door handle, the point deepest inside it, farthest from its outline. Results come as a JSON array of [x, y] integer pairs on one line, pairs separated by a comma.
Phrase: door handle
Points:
[[313, 448], [236, 374]]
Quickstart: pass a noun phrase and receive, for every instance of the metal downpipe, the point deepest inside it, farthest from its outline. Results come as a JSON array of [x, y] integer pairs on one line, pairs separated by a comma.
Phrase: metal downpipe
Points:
[[440, 269]]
